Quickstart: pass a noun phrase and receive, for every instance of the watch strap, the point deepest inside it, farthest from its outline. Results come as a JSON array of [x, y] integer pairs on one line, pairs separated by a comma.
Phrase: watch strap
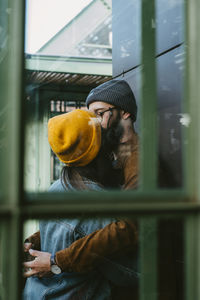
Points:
[[55, 269], [53, 259]]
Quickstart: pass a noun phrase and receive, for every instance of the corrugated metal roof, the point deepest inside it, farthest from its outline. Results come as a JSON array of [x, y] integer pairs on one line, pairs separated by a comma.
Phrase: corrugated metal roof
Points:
[[43, 69]]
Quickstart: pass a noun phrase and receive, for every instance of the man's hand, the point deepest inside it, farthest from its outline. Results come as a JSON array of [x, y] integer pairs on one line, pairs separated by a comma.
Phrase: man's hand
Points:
[[40, 266]]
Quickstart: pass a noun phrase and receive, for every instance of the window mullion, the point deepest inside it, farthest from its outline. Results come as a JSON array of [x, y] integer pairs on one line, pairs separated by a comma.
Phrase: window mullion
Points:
[[192, 258], [148, 152], [12, 190], [148, 107], [14, 256], [192, 172], [192, 98], [148, 258]]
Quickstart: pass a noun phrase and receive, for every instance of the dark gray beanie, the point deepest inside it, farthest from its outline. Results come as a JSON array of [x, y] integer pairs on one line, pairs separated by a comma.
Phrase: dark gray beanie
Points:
[[117, 93]]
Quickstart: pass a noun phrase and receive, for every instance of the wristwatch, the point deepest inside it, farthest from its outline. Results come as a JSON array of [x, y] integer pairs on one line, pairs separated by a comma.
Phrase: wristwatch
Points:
[[55, 269]]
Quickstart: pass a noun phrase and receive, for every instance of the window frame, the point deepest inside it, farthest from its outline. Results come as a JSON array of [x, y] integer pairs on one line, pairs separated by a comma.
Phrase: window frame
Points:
[[17, 206]]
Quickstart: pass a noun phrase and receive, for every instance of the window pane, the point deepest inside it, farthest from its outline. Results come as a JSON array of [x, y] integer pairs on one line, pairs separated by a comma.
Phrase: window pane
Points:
[[122, 256], [74, 28], [60, 81], [68, 53], [171, 118]]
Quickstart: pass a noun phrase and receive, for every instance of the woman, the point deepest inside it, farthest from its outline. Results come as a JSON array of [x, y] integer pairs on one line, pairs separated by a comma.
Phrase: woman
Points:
[[76, 139]]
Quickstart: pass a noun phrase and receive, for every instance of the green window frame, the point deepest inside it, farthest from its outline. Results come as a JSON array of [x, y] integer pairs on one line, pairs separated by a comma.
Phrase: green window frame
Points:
[[147, 203]]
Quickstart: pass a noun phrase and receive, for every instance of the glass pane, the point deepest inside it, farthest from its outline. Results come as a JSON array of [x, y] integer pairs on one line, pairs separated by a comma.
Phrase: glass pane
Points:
[[171, 118], [75, 28], [68, 53], [117, 257], [57, 82]]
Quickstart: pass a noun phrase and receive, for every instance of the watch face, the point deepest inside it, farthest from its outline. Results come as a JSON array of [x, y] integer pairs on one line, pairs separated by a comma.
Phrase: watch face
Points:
[[55, 269]]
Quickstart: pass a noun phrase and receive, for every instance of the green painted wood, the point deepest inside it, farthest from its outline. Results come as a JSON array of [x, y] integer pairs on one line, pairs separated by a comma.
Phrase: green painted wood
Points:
[[148, 153], [10, 68], [193, 95], [4, 246], [15, 258], [192, 161], [11, 74], [192, 257], [148, 258], [4, 105], [149, 115]]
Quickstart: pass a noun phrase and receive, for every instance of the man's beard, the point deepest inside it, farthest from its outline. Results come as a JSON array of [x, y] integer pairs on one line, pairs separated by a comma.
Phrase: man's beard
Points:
[[111, 136]]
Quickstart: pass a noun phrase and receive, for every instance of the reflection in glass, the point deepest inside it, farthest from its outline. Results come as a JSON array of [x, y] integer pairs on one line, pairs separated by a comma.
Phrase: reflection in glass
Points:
[[171, 126], [97, 257], [42, 167], [169, 27], [77, 28], [58, 74], [101, 150], [54, 88]]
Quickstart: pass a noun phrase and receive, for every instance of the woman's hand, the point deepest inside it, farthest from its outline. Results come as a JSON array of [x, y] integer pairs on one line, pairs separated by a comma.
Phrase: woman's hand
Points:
[[27, 247], [40, 266]]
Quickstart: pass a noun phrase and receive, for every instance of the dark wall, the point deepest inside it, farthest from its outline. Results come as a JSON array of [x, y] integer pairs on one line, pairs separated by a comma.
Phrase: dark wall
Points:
[[126, 27], [169, 58]]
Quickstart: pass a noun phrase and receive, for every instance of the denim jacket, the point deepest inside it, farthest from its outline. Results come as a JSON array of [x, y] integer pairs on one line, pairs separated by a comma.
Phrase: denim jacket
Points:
[[95, 285]]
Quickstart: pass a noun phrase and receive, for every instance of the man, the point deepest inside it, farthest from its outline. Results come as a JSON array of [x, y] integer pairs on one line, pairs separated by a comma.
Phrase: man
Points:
[[114, 104]]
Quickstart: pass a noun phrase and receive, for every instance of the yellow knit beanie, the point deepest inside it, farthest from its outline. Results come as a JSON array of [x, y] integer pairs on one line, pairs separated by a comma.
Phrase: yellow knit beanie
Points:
[[75, 137]]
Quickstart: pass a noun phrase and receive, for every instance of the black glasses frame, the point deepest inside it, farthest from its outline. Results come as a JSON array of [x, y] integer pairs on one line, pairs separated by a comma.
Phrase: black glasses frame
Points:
[[103, 112]]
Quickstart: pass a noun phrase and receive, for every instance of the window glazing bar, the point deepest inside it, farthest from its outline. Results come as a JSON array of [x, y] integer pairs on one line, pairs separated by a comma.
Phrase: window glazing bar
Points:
[[13, 262], [192, 100], [192, 257], [192, 157], [148, 153], [158, 196], [148, 107], [106, 202], [4, 246], [37, 210], [11, 73], [148, 258]]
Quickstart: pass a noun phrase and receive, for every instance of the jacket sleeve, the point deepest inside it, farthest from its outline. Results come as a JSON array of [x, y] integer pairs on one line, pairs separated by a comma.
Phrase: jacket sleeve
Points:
[[84, 254], [35, 240]]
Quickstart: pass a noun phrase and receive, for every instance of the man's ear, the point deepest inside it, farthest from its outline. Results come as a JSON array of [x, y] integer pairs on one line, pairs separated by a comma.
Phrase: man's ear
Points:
[[125, 115]]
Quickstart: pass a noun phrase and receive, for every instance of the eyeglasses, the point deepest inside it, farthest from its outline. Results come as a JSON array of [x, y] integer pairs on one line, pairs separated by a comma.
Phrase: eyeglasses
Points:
[[100, 114]]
